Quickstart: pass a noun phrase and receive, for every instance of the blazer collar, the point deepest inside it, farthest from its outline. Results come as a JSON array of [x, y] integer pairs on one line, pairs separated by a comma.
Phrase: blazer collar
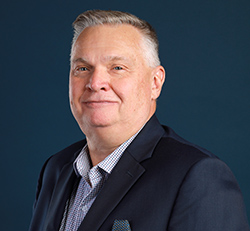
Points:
[[124, 175], [144, 144]]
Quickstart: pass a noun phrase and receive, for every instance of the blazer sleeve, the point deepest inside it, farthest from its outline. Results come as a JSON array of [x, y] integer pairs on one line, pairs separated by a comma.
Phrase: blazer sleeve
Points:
[[209, 199]]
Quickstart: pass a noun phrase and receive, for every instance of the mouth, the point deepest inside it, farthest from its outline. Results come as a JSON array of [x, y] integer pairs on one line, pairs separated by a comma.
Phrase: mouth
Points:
[[99, 103]]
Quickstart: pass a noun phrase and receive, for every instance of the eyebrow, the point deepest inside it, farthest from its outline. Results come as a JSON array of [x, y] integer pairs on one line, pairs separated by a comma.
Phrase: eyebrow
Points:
[[81, 60]]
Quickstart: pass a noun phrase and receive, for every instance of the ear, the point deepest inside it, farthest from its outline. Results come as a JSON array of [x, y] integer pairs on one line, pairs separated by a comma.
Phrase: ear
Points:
[[158, 75]]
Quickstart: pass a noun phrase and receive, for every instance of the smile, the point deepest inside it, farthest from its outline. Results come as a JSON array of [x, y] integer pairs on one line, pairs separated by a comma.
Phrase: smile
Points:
[[98, 104]]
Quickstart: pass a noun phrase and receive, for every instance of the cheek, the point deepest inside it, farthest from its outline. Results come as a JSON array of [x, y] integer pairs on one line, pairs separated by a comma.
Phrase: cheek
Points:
[[144, 90], [75, 89], [125, 89], [133, 93]]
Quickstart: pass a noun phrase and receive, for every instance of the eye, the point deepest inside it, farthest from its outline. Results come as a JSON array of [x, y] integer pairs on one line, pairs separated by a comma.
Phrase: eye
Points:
[[118, 68], [82, 69]]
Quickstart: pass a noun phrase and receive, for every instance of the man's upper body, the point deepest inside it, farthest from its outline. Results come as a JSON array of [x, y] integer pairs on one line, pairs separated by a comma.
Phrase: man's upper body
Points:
[[160, 181]]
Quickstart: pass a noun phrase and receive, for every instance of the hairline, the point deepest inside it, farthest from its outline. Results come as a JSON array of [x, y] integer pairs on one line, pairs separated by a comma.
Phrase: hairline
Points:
[[149, 42], [142, 43]]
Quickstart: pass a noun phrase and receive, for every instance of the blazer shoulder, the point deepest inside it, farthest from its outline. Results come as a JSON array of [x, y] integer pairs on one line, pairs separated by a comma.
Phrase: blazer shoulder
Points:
[[176, 156], [169, 133], [68, 154], [175, 148], [55, 163]]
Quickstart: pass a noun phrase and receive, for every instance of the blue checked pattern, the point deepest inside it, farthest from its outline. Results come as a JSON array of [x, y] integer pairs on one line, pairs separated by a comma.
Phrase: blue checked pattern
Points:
[[121, 225]]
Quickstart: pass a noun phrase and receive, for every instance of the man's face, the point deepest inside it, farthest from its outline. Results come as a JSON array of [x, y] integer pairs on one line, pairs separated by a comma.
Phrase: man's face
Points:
[[111, 84]]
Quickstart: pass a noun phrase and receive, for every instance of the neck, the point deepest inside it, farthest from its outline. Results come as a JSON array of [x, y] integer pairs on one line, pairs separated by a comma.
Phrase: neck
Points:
[[102, 141]]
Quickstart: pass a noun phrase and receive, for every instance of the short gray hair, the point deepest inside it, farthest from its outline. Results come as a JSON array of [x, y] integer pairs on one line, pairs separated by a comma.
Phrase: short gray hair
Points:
[[91, 18]]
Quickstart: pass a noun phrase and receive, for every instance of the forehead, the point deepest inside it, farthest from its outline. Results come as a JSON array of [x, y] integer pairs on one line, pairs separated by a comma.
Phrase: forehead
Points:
[[117, 31], [123, 38]]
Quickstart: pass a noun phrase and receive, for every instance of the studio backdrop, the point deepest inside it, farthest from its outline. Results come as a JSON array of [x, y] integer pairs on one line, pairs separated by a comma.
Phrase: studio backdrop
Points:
[[204, 47]]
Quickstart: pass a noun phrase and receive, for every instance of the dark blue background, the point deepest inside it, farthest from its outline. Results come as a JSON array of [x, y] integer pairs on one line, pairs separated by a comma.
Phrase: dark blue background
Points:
[[204, 46]]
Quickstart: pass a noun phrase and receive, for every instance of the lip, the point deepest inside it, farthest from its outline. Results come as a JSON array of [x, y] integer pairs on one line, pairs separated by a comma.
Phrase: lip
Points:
[[98, 103]]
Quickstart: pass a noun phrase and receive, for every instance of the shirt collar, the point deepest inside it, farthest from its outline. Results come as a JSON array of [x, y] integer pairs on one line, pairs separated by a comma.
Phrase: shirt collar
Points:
[[82, 163]]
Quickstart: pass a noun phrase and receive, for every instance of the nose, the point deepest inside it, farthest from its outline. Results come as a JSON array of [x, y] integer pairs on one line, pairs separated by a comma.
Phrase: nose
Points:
[[98, 80]]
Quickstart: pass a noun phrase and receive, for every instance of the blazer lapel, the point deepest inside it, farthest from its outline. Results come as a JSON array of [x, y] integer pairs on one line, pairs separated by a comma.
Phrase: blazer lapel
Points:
[[62, 192], [124, 175]]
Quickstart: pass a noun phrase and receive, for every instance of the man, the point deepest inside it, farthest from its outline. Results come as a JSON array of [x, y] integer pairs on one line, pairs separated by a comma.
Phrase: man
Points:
[[130, 173]]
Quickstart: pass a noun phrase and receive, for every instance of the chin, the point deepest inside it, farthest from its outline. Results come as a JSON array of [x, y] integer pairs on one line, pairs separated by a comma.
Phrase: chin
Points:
[[100, 121]]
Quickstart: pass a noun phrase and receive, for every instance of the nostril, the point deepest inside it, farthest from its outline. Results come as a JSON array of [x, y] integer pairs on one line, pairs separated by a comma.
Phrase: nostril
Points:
[[95, 87]]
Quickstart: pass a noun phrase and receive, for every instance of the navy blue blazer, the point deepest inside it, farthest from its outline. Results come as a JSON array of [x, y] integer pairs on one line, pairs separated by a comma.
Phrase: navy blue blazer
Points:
[[161, 182]]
